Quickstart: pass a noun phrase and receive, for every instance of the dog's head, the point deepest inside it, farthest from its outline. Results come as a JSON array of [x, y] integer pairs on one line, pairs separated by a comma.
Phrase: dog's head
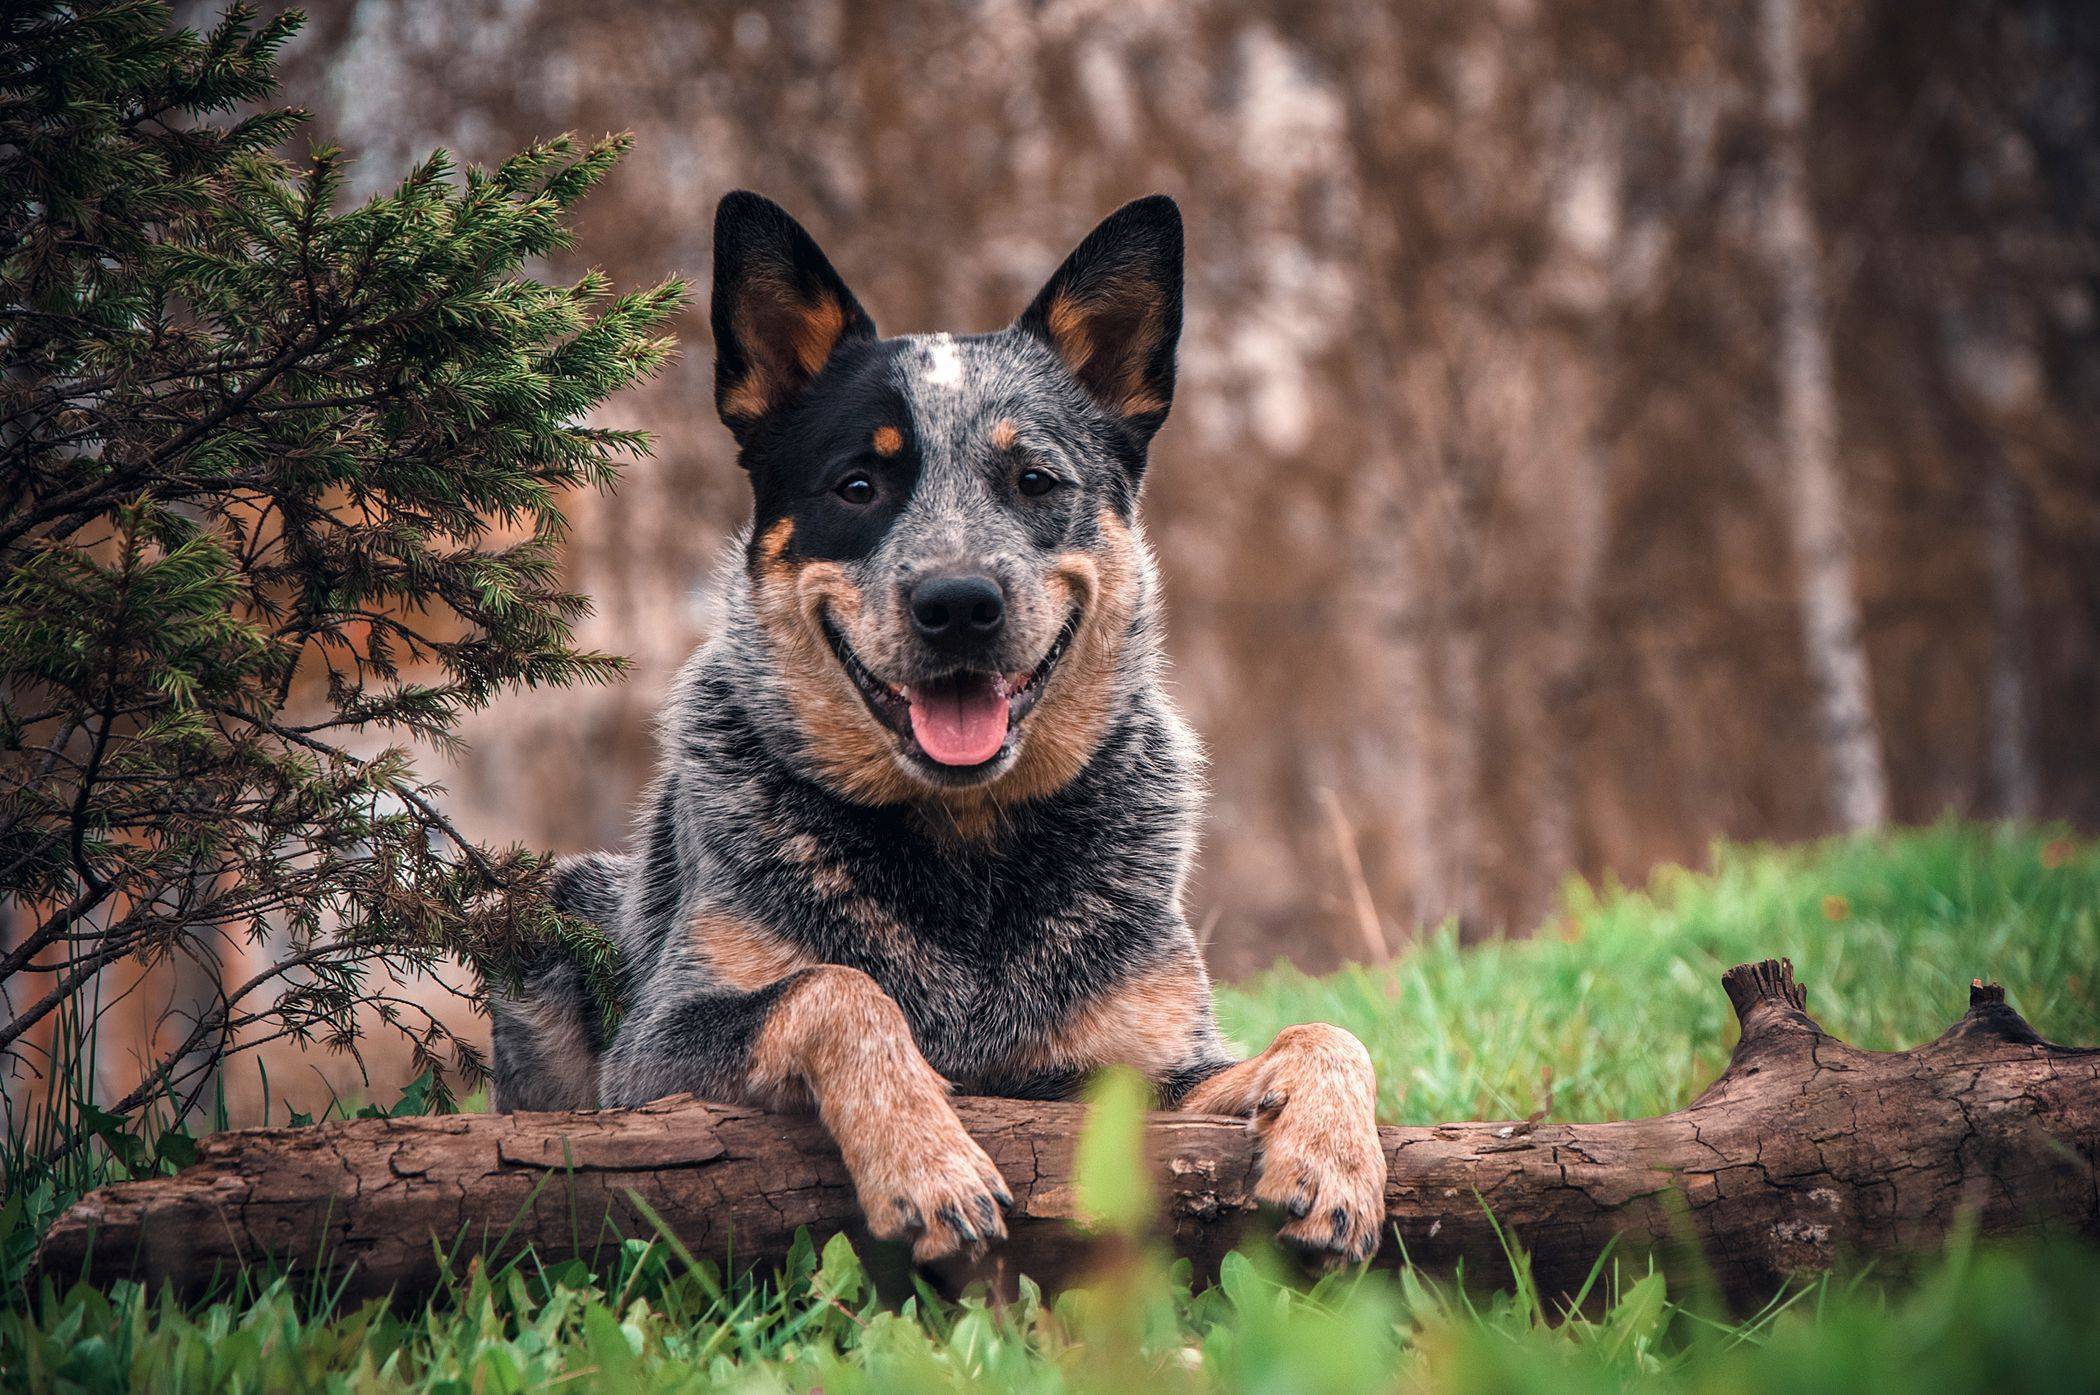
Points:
[[944, 555]]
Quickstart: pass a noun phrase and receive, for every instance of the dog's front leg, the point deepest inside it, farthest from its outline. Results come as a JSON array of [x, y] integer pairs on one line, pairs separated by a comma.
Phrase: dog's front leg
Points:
[[1309, 1099], [837, 1036], [829, 1036]]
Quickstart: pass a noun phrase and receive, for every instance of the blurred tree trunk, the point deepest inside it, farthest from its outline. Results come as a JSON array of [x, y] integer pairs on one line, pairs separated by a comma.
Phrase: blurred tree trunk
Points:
[[1837, 659], [2011, 762], [1397, 759], [1570, 644]]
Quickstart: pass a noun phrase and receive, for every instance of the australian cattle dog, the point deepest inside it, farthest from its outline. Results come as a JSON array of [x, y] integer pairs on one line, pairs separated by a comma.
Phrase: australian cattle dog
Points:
[[924, 810]]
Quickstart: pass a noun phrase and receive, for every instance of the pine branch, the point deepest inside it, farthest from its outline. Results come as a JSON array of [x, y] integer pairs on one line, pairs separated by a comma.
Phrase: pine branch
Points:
[[263, 461]]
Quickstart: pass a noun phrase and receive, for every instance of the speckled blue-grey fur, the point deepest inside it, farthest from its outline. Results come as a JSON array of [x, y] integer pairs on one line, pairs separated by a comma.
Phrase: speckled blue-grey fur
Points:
[[991, 937]]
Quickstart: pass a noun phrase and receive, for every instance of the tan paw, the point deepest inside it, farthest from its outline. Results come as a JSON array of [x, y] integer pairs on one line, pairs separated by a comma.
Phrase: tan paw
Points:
[[1324, 1168], [1321, 1161], [934, 1186], [917, 1172]]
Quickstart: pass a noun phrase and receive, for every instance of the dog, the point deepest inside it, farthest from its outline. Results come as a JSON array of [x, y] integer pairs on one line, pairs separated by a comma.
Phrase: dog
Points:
[[924, 812]]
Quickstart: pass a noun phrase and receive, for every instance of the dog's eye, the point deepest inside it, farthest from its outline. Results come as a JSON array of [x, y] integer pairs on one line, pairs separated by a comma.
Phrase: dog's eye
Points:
[[856, 489], [1035, 483]]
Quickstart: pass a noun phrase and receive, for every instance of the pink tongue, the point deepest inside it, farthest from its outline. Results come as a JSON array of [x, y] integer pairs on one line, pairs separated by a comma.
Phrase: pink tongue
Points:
[[960, 720]]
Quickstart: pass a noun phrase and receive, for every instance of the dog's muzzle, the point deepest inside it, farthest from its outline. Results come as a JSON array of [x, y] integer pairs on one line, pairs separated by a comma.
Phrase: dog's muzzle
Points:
[[963, 720]]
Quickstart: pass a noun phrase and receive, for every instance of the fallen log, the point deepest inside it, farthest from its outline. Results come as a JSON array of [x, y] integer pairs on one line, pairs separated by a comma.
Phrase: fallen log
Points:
[[1803, 1150]]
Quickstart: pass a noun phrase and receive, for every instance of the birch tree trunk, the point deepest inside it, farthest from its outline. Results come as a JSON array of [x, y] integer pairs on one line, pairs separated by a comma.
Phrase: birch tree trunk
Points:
[[1830, 612]]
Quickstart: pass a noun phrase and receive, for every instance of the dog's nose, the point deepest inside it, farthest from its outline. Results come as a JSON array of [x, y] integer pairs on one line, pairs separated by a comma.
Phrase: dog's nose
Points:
[[958, 612]]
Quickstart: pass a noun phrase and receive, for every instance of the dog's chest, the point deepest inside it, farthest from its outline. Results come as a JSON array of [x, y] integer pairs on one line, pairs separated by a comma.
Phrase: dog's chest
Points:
[[999, 982], [1055, 1001], [973, 997], [1010, 960]]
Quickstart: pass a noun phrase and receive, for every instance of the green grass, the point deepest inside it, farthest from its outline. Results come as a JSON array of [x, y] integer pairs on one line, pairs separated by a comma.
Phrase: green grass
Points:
[[1613, 1010]]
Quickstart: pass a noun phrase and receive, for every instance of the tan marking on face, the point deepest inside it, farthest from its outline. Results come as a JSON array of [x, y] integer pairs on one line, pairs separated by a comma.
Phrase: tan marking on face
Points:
[[1148, 1023], [774, 543], [1310, 1098], [888, 440], [1065, 726], [843, 740], [836, 1038], [741, 955], [857, 754], [1003, 434]]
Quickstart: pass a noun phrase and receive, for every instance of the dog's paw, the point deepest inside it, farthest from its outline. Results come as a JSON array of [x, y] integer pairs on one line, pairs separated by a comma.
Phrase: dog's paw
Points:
[[933, 1185], [1327, 1174], [1321, 1162]]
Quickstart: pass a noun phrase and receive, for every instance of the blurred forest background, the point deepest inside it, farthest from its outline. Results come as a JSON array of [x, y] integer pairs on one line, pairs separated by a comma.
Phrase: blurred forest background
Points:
[[1605, 425]]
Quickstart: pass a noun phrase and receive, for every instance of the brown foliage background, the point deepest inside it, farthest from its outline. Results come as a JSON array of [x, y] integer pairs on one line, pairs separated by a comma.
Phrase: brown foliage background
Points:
[[1472, 509]]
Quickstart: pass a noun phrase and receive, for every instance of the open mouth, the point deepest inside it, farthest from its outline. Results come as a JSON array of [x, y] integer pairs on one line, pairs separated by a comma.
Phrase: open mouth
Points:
[[961, 719]]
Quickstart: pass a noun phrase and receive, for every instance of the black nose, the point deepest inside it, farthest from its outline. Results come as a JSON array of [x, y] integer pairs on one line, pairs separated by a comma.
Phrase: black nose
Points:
[[958, 612]]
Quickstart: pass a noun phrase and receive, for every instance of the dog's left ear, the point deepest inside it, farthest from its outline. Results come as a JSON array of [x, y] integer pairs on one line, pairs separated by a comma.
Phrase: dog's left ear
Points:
[[1113, 311]]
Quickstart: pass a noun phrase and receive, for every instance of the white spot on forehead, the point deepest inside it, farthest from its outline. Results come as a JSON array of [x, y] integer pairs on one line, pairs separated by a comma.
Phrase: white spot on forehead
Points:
[[943, 361]]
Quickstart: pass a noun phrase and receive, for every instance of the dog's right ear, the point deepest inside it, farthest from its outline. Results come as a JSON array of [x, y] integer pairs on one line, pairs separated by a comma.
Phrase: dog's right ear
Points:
[[779, 310]]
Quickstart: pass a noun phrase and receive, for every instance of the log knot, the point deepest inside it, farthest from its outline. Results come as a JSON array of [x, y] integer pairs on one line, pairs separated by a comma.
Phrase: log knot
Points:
[[1766, 981], [1777, 1030], [1991, 1017]]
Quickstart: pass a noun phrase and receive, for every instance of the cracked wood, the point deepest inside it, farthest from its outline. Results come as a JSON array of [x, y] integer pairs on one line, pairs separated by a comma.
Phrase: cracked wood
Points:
[[1805, 1149]]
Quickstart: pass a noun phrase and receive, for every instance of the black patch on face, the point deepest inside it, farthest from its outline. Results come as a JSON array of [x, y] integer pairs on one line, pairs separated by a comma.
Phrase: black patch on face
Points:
[[800, 457]]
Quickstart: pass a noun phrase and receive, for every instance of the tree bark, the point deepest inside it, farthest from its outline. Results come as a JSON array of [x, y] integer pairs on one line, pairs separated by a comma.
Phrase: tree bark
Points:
[[1805, 1149]]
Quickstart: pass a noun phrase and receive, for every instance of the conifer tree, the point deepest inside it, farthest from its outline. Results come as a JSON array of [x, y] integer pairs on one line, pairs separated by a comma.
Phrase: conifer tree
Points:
[[281, 498]]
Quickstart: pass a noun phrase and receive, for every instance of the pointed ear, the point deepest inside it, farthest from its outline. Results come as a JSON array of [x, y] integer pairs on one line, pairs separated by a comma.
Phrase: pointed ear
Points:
[[1113, 311], [779, 310]]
